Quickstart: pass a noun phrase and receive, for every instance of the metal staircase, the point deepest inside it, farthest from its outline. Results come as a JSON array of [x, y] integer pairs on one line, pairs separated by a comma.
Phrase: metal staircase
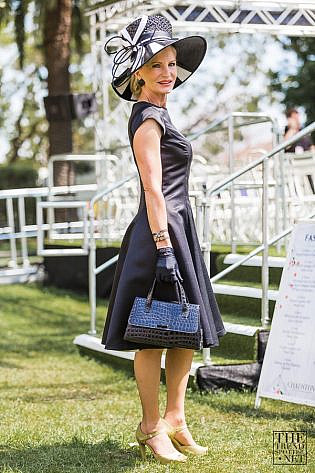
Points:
[[203, 204], [91, 226]]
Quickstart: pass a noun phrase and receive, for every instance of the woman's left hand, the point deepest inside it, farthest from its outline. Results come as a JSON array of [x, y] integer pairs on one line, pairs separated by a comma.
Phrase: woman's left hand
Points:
[[166, 266]]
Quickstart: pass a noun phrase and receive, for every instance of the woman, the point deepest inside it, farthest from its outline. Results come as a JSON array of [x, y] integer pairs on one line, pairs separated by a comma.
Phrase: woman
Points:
[[161, 241]]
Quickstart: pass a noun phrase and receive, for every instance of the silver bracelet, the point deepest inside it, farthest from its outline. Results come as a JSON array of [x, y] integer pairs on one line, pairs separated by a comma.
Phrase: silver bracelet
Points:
[[160, 235]]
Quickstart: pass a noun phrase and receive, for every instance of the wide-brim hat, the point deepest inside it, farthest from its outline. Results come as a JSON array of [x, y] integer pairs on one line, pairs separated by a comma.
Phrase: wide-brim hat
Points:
[[141, 40]]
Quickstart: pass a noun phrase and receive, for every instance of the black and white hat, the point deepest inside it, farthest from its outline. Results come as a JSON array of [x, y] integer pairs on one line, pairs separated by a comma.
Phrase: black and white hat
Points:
[[141, 40]]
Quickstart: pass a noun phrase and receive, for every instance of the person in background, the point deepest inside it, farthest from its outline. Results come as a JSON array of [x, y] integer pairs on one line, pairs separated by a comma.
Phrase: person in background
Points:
[[294, 126], [303, 144]]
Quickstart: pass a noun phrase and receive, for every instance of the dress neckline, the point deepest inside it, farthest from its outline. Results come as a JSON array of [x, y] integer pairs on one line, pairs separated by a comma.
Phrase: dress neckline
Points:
[[145, 101]]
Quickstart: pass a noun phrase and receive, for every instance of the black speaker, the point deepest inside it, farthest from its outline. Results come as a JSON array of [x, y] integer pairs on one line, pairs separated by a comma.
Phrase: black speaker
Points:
[[68, 107], [58, 108], [83, 105], [225, 377]]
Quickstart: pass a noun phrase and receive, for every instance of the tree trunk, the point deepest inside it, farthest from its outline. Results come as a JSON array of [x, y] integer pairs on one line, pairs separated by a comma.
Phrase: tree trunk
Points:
[[57, 35]]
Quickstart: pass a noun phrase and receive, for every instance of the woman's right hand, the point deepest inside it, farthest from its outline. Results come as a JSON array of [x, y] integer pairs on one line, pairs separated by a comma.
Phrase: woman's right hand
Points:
[[166, 266]]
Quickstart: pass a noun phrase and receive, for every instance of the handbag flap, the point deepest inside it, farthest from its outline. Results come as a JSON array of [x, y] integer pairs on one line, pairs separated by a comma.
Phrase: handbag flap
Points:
[[164, 315]]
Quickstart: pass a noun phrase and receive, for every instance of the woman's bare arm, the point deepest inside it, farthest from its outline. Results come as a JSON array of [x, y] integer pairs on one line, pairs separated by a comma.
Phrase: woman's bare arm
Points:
[[146, 145]]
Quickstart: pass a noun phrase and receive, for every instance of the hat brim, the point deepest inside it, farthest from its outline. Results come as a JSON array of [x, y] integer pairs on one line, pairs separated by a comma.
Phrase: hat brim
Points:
[[190, 53]]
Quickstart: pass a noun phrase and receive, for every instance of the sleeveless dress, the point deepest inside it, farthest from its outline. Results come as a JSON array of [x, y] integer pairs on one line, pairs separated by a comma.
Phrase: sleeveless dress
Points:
[[135, 269]]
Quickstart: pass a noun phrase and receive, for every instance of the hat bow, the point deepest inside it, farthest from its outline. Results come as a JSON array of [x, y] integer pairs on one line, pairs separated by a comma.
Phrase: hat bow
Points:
[[133, 49]]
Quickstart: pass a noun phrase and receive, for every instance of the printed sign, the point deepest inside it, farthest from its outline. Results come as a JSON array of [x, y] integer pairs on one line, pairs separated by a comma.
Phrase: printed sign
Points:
[[288, 370]]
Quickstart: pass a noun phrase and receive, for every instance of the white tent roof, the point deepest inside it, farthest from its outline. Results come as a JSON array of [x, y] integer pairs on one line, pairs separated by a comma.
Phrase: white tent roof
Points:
[[273, 17]]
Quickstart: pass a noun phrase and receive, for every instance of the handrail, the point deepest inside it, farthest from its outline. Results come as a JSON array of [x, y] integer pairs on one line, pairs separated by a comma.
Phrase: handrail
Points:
[[93, 270], [265, 241], [45, 191], [212, 127], [95, 158], [256, 251], [255, 118], [309, 129], [112, 188]]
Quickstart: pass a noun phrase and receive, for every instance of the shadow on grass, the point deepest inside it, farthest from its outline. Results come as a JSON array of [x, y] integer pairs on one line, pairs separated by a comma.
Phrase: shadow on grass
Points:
[[302, 419], [77, 456], [43, 326], [5, 364], [45, 392]]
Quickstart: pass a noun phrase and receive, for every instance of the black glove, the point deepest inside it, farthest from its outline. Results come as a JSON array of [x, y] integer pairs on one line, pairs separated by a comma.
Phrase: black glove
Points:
[[166, 266]]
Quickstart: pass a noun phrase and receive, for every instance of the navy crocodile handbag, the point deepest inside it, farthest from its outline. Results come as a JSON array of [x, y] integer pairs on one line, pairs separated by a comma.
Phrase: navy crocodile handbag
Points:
[[165, 324]]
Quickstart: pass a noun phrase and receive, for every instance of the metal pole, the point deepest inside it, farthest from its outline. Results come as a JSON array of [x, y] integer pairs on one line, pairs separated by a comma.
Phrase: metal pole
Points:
[[207, 237], [203, 235], [207, 258], [199, 217], [10, 218], [232, 190], [276, 177], [280, 186], [21, 202], [92, 276], [282, 159], [97, 142], [265, 320], [39, 224], [50, 182]]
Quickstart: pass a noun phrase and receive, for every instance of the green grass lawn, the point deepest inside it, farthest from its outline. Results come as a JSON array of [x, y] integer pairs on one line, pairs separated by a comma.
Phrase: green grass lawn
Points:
[[61, 412]]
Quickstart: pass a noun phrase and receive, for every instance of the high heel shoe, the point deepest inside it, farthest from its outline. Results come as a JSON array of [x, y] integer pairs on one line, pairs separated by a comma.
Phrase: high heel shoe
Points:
[[192, 449], [164, 459]]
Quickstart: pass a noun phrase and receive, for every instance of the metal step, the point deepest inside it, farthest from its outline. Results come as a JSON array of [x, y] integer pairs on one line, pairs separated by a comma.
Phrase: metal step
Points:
[[273, 261], [238, 329], [243, 291], [21, 275]]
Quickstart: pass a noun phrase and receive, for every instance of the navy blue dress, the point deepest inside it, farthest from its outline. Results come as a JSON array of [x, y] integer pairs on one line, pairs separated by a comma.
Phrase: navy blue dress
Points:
[[135, 269]]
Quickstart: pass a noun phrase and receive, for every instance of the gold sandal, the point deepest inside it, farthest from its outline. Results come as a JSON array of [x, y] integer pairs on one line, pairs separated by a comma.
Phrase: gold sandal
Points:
[[192, 449], [164, 459]]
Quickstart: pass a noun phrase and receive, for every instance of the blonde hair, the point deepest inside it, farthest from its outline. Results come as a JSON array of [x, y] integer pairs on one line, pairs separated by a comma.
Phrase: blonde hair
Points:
[[134, 86]]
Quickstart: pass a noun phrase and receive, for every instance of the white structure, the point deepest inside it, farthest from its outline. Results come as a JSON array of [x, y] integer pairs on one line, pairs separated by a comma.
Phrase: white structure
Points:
[[187, 16]]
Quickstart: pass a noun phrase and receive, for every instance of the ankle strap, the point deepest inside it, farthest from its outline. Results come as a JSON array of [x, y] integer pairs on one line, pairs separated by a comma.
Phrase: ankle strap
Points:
[[175, 429], [148, 436], [180, 428]]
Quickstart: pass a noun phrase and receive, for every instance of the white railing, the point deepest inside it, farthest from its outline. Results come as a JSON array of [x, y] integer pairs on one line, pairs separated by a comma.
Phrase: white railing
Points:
[[89, 224], [264, 161], [202, 225], [16, 229]]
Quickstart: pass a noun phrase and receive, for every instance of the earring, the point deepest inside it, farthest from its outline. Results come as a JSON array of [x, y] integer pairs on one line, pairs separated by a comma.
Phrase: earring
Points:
[[140, 82]]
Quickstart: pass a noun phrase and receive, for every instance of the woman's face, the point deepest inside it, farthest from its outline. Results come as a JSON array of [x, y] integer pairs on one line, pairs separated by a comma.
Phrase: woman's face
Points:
[[159, 73]]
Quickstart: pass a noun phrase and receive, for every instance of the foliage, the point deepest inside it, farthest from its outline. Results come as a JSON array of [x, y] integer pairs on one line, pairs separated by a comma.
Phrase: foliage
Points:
[[15, 176], [25, 78], [231, 84], [297, 87], [17, 10], [18, 175]]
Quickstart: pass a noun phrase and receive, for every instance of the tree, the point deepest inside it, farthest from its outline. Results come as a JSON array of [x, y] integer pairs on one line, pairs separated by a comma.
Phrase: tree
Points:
[[57, 22], [298, 88], [57, 35]]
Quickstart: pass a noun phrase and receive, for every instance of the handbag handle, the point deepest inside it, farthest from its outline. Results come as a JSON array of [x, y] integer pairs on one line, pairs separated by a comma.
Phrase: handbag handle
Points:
[[182, 296]]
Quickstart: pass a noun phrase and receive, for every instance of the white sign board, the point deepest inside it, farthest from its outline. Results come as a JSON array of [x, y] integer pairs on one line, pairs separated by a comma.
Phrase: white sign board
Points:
[[288, 370]]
